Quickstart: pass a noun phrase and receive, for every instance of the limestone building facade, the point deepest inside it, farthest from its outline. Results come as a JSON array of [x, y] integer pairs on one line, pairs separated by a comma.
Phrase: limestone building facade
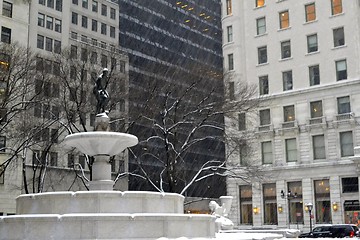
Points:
[[303, 57]]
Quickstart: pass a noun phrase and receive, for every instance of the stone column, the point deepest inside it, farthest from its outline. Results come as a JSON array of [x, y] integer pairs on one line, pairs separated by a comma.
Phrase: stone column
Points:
[[101, 174]]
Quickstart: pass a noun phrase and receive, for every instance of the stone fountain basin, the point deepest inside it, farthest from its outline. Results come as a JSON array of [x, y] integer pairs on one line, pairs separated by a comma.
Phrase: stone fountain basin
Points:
[[101, 143], [99, 202]]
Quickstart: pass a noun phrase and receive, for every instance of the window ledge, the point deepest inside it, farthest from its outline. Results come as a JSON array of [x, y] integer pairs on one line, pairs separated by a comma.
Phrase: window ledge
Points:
[[309, 22], [261, 35], [336, 15], [285, 59], [312, 53], [228, 43], [262, 64], [283, 29], [255, 8], [339, 47]]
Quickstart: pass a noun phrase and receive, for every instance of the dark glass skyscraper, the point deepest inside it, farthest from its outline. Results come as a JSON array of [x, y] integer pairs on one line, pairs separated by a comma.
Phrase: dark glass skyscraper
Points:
[[173, 41]]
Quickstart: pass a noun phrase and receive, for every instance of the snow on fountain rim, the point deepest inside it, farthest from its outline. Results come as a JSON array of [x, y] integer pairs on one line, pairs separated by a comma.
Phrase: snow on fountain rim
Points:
[[101, 142]]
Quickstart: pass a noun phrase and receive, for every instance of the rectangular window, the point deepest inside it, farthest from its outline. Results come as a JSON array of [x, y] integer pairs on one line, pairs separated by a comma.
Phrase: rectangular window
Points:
[[112, 31], [265, 117], [70, 162], [285, 49], [291, 150], [49, 22], [314, 75], [318, 143], [246, 209], [57, 46], [49, 44], [312, 43], [350, 184], [93, 57], [229, 34], [231, 90], [42, 2], [296, 208], [112, 13], [74, 18], [270, 205], [41, 20], [322, 206], [122, 66], [104, 61], [94, 25], [228, 7], [58, 5], [76, 2], [289, 113], [82, 161], [346, 144], [259, 3], [2, 143], [287, 80], [316, 109], [40, 41], [103, 10], [5, 35], [339, 37], [336, 7], [262, 55], [84, 21], [58, 25], [264, 85], [341, 70], [310, 12], [85, 4], [260, 26], [2, 178], [266, 152], [73, 51], [230, 62], [7, 9], [94, 6], [50, 3], [103, 28], [284, 19], [84, 54], [53, 158], [242, 121], [343, 104]]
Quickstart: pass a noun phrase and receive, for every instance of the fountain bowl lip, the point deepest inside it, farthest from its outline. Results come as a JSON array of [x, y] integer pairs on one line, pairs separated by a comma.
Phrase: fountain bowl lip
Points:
[[116, 141]]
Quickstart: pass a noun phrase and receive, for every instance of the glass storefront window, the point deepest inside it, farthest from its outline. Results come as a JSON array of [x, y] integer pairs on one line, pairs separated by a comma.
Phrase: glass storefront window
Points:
[[322, 201], [245, 197], [270, 205], [295, 203]]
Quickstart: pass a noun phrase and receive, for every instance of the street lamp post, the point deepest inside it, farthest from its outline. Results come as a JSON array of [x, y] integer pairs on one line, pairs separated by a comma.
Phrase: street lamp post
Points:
[[289, 195], [310, 207]]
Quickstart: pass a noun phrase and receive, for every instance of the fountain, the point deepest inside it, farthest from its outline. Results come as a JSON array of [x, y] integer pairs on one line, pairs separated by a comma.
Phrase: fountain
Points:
[[102, 213]]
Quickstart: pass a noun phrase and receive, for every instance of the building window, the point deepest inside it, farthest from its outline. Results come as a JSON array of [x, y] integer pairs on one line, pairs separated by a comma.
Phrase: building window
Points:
[[231, 62], [339, 37], [242, 121], [246, 212], [103, 28], [7, 9], [122, 66], [41, 20], [270, 205], [2, 143], [346, 144], [103, 10], [94, 25], [318, 143], [112, 31], [266, 152], [57, 46], [285, 49], [58, 25], [231, 90], [73, 51], [94, 6], [229, 34], [314, 75], [85, 4], [74, 18], [341, 70], [316, 109], [82, 161], [287, 80], [291, 150], [40, 41], [336, 7], [84, 21], [70, 163], [284, 19], [260, 26], [2, 177], [265, 117], [50, 3], [104, 61], [228, 7], [49, 22], [322, 201], [350, 184], [49, 44], [262, 55], [58, 5], [264, 85], [112, 13], [312, 43], [76, 2], [53, 158], [310, 12], [343, 105], [259, 3], [42, 2], [289, 113], [295, 203], [5, 35]]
